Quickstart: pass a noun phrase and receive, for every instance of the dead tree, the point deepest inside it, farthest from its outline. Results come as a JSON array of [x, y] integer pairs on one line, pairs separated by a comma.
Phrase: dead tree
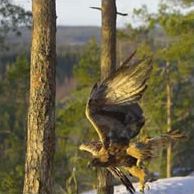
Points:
[[41, 115]]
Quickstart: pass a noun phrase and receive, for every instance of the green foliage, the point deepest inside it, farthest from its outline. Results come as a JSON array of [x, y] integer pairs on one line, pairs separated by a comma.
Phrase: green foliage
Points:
[[13, 102], [88, 69], [72, 126], [181, 2], [176, 47], [155, 113], [168, 36], [65, 63], [11, 17]]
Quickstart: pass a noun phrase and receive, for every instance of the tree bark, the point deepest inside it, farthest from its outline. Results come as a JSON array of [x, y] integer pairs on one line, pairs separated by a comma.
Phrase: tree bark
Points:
[[169, 120], [108, 38], [105, 182], [41, 114], [108, 65]]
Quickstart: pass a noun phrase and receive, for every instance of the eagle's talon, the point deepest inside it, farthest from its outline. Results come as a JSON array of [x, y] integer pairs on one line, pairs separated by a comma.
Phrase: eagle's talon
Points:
[[141, 190], [139, 164], [144, 187], [148, 187]]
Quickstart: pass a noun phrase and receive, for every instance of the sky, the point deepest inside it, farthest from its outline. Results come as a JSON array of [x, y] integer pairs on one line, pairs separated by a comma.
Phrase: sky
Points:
[[78, 12]]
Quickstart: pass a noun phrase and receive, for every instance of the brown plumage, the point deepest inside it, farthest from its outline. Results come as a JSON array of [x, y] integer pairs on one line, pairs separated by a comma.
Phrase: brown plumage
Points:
[[148, 148], [114, 112], [113, 107]]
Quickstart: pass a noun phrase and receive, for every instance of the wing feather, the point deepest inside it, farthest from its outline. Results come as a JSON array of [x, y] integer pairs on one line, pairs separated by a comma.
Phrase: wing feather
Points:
[[113, 107], [128, 83]]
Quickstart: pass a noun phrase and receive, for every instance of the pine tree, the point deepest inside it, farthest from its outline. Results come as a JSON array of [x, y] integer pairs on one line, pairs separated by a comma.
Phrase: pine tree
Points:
[[14, 89], [174, 46], [72, 127], [41, 116], [108, 65]]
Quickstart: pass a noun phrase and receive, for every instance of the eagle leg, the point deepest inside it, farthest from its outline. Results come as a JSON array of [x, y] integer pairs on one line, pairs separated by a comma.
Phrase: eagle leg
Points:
[[141, 151], [141, 174], [139, 163]]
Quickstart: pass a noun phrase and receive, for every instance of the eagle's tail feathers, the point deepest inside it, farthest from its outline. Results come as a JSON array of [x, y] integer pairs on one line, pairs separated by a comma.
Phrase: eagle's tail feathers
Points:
[[117, 173]]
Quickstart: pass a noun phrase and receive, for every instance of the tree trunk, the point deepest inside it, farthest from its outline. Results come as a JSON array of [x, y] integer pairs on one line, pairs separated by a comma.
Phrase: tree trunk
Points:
[[105, 182], [108, 38], [41, 115], [169, 120], [108, 65]]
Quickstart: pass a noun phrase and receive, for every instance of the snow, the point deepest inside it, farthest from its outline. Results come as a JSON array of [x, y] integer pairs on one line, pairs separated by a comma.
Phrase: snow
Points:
[[174, 185]]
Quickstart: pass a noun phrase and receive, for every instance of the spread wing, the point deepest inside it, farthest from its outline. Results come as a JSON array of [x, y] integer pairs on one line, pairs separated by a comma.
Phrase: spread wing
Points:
[[113, 107]]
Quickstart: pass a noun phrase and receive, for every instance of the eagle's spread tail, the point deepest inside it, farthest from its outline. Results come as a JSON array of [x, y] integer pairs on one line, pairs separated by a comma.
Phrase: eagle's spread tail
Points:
[[147, 149], [117, 173]]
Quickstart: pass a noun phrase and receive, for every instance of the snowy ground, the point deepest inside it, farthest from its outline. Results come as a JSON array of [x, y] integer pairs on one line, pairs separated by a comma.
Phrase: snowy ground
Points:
[[175, 185]]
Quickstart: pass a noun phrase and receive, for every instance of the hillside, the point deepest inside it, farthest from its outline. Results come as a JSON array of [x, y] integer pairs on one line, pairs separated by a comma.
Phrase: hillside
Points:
[[66, 36]]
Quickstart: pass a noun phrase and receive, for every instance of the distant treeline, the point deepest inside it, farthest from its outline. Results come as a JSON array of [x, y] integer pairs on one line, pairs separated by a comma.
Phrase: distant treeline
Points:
[[70, 41]]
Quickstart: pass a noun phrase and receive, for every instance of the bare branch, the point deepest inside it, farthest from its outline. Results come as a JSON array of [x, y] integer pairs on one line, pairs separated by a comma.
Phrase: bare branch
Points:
[[129, 58], [98, 8], [118, 13], [122, 14]]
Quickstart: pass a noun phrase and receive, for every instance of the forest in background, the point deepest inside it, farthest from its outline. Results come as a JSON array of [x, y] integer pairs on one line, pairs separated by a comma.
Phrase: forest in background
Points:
[[168, 35]]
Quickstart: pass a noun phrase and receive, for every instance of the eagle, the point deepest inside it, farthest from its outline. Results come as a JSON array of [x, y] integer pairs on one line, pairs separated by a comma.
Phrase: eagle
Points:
[[114, 111]]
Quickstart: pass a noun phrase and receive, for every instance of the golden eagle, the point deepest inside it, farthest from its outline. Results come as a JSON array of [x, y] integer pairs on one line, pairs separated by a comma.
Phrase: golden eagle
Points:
[[114, 112]]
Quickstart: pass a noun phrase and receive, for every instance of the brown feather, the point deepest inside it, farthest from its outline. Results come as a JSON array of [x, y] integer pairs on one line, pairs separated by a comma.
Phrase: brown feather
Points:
[[113, 109]]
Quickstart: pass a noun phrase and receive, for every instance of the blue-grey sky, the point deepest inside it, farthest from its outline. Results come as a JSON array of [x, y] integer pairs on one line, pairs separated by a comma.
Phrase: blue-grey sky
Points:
[[77, 12]]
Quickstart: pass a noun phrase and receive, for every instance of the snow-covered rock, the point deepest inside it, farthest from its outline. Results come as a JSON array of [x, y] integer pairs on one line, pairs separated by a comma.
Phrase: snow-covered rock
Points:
[[174, 185]]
